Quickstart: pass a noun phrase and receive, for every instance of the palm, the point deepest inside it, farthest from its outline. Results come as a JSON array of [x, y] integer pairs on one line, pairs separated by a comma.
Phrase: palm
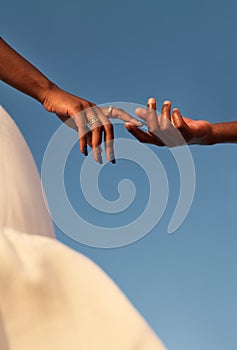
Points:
[[199, 130]]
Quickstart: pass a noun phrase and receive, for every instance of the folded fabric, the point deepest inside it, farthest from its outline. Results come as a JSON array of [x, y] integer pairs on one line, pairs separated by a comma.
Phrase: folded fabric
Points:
[[52, 298]]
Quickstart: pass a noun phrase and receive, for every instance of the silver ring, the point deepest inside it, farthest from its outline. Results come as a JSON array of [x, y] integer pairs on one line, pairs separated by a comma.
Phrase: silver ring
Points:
[[93, 120], [110, 111]]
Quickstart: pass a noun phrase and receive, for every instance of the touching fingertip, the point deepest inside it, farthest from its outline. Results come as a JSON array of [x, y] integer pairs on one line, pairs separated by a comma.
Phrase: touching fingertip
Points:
[[136, 122], [128, 126]]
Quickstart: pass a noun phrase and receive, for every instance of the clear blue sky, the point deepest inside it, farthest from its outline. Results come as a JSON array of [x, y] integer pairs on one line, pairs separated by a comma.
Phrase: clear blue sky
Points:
[[185, 284]]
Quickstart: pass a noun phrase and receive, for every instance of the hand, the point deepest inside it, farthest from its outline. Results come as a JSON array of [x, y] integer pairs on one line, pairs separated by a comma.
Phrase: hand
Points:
[[77, 113], [170, 129]]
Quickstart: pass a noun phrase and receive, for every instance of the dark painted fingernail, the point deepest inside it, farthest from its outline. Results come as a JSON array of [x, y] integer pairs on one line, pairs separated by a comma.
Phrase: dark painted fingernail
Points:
[[112, 158], [100, 158], [85, 151]]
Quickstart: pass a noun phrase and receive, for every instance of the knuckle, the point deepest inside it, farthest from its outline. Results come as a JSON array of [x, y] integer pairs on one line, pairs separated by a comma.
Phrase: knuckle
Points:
[[80, 106], [87, 105], [89, 108]]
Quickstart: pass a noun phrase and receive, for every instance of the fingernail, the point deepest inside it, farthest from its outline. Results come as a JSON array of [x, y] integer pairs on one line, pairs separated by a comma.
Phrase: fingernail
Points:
[[85, 151], [151, 103], [112, 158], [100, 158], [167, 102], [151, 100]]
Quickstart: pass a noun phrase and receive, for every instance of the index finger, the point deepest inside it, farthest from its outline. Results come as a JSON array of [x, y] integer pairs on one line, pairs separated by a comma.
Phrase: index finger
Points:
[[143, 136], [118, 113]]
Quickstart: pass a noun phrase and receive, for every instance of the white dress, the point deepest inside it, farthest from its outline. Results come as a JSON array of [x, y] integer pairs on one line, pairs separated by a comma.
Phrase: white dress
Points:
[[52, 298]]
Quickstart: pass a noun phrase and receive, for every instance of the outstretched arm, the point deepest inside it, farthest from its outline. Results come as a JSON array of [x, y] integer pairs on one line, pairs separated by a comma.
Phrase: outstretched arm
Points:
[[22, 75], [172, 129]]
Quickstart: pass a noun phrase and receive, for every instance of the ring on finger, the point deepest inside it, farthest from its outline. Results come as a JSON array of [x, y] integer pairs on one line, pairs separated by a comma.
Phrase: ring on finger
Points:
[[93, 120], [110, 111]]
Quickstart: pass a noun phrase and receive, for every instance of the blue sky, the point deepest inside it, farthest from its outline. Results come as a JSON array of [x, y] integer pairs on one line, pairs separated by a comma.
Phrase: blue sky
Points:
[[184, 284]]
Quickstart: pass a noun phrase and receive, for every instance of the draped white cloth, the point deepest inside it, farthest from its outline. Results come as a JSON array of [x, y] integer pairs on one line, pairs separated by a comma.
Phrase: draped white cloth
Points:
[[52, 298]]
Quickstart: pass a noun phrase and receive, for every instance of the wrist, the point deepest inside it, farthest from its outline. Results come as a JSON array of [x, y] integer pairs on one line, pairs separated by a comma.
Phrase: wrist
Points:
[[204, 134], [44, 90], [213, 137], [210, 138]]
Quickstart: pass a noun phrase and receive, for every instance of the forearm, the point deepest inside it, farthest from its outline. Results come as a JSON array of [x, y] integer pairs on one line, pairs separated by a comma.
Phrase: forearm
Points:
[[21, 74], [223, 133]]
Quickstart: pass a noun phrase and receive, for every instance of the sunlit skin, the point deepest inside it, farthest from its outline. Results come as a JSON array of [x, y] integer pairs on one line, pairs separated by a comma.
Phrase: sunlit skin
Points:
[[163, 129], [76, 111], [22, 75]]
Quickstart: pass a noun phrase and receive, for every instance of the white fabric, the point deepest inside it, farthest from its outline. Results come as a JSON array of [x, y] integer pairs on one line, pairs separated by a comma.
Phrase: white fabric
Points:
[[22, 205], [52, 298]]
